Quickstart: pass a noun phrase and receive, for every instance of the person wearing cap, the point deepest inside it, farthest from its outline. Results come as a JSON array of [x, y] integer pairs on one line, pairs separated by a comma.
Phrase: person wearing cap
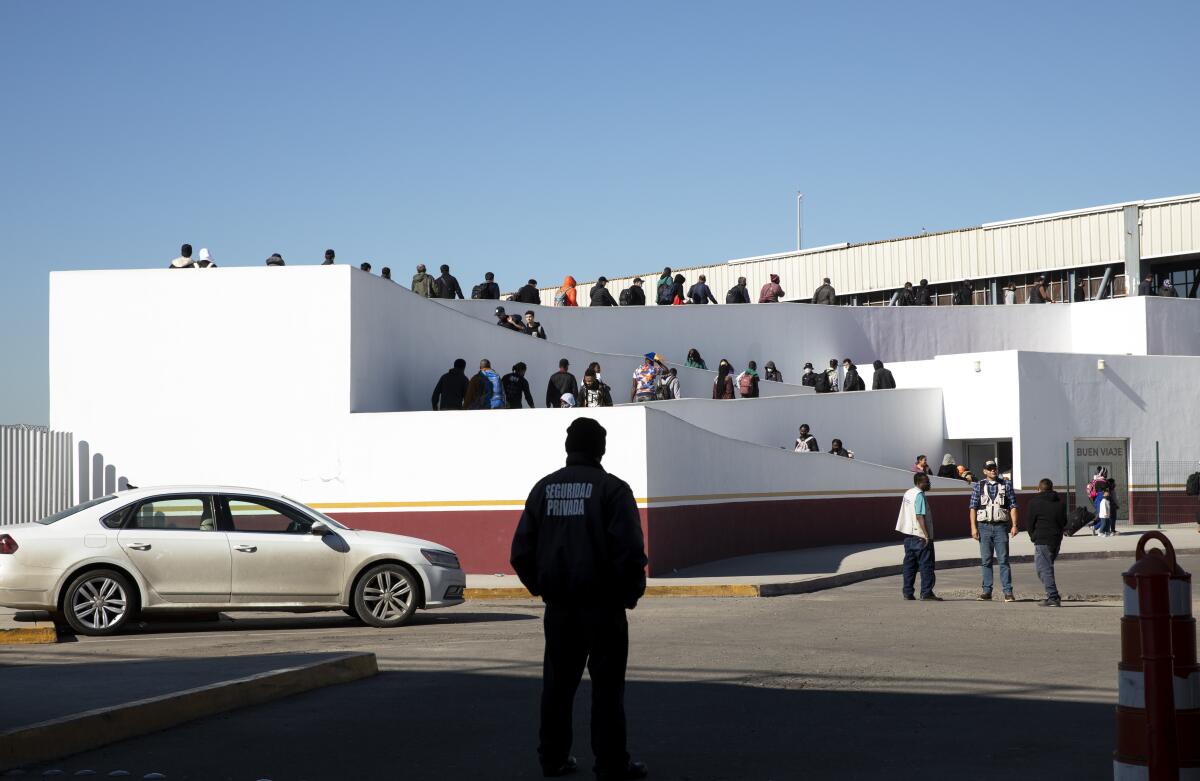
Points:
[[275, 260], [916, 524], [329, 256], [185, 258], [599, 295], [423, 284], [504, 321], [562, 381], [700, 293], [528, 293], [645, 380], [993, 515], [809, 377], [579, 547], [205, 260]]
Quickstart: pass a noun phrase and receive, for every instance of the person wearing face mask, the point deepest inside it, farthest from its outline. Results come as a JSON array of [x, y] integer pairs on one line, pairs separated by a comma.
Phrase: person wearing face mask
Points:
[[809, 379]]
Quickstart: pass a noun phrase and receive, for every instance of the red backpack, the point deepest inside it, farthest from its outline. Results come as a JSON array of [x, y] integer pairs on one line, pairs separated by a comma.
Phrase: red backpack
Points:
[[745, 382]]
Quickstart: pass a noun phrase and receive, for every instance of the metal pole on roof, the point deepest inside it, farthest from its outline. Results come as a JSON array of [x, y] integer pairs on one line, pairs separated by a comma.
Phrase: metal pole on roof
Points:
[[799, 202], [1157, 486]]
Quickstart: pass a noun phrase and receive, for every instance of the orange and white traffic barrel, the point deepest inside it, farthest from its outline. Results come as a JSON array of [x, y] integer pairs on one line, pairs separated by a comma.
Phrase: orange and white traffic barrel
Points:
[[1158, 710]]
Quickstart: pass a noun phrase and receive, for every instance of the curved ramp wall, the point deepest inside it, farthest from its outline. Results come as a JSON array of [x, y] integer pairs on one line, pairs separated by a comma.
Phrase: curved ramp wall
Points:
[[792, 334]]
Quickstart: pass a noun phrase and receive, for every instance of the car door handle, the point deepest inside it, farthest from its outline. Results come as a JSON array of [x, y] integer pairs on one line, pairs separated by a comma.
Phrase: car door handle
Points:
[[245, 548], [139, 545]]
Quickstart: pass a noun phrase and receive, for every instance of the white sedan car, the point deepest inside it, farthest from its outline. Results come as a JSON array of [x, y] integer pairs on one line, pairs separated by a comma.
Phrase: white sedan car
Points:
[[216, 548]]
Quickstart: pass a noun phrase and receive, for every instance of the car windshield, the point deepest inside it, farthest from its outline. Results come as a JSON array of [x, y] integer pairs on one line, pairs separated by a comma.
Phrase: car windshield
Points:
[[58, 516], [317, 513]]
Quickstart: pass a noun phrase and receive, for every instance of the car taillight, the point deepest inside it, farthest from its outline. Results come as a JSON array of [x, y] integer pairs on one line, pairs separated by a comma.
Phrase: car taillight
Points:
[[7, 544]]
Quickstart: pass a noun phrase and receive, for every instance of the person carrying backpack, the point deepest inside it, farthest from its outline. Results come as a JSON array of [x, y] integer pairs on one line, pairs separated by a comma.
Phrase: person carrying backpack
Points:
[[747, 382], [700, 293], [484, 390], [662, 288], [488, 289], [634, 295], [738, 294]]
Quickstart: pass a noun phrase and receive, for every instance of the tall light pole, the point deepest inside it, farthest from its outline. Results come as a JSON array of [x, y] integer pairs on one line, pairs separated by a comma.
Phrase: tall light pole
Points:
[[799, 202]]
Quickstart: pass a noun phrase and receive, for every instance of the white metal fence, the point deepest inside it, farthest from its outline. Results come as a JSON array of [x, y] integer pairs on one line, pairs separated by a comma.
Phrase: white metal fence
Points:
[[36, 473]]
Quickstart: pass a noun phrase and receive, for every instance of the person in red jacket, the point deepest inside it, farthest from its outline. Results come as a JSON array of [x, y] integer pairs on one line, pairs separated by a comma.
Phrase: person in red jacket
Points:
[[771, 292]]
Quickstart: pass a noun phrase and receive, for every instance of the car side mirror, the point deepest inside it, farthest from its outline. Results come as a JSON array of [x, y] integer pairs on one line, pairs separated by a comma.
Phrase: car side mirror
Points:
[[319, 528]]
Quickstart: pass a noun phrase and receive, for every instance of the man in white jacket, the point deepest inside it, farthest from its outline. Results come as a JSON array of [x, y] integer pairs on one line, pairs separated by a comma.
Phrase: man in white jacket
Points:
[[916, 524]]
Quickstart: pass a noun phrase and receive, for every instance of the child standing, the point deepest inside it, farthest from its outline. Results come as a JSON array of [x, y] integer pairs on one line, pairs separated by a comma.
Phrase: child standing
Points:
[[1107, 512]]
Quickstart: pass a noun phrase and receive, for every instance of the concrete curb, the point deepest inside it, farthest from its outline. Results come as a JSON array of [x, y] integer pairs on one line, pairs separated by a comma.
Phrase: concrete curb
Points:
[[92, 729], [808, 586], [29, 635]]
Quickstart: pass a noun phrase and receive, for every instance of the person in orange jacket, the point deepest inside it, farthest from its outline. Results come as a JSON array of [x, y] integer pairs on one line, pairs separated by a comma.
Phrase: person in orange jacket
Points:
[[566, 294]]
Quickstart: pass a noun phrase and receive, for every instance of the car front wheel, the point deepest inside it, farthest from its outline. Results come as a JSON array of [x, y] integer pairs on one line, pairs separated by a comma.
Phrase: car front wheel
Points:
[[99, 602], [386, 596]]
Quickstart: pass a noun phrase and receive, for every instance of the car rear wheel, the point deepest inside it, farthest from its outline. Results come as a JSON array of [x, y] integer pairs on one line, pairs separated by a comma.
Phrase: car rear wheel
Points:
[[386, 596], [99, 602]]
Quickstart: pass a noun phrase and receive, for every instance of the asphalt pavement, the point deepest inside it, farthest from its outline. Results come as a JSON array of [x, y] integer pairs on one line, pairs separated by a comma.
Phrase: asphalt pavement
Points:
[[847, 683]]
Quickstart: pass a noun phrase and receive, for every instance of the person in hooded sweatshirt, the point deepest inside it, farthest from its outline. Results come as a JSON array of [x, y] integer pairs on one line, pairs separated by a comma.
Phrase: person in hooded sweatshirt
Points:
[[662, 288], [185, 258], [678, 297], [423, 284], [1047, 521], [883, 379], [771, 292], [206, 259], [451, 389], [579, 547], [948, 468], [747, 381], [567, 295], [852, 381]]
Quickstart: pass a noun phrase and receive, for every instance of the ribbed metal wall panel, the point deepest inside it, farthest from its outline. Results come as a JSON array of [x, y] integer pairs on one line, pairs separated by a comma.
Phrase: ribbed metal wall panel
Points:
[[36, 473], [1050, 242], [1170, 228]]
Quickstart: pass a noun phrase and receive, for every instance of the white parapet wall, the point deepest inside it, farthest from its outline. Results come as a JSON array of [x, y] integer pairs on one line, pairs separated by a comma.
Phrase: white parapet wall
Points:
[[793, 334]]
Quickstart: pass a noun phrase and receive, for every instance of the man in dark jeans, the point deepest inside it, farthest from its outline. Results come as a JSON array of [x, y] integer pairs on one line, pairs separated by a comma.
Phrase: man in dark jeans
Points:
[[1047, 521], [993, 522], [579, 547], [916, 524]]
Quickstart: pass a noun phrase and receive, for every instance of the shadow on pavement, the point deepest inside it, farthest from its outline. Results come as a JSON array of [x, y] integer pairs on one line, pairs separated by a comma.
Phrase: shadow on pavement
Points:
[[475, 726], [245, 622]]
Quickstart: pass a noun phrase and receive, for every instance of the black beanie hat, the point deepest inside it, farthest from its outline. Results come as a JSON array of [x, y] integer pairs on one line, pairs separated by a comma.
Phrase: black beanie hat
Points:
[[586, 436]]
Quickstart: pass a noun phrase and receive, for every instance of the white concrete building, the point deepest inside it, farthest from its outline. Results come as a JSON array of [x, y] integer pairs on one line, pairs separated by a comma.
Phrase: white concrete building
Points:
[[316, 381]]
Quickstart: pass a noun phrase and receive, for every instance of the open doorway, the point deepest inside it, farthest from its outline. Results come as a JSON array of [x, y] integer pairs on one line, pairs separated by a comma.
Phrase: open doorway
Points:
[[976, 453]]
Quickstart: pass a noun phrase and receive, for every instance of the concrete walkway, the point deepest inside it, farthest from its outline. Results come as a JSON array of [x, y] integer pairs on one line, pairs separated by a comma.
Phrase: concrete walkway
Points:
[[815, 569]]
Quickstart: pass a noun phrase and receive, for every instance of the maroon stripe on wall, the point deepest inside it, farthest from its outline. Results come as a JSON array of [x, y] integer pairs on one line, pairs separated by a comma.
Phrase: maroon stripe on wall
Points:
[[678, 537], [688, 535], [481, 538]]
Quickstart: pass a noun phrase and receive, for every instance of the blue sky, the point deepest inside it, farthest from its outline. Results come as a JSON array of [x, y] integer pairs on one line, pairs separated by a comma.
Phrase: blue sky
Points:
[[537, 139]]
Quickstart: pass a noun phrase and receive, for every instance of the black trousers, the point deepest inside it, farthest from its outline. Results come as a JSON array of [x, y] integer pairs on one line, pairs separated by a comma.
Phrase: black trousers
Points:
[[598, 637]]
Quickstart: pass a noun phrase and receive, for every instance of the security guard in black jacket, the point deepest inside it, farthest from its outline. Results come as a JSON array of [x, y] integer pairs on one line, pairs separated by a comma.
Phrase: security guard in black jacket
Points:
[[579, 547]]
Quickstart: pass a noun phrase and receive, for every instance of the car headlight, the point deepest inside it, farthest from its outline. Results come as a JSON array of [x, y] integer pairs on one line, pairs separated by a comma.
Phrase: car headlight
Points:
[[441, 558]]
